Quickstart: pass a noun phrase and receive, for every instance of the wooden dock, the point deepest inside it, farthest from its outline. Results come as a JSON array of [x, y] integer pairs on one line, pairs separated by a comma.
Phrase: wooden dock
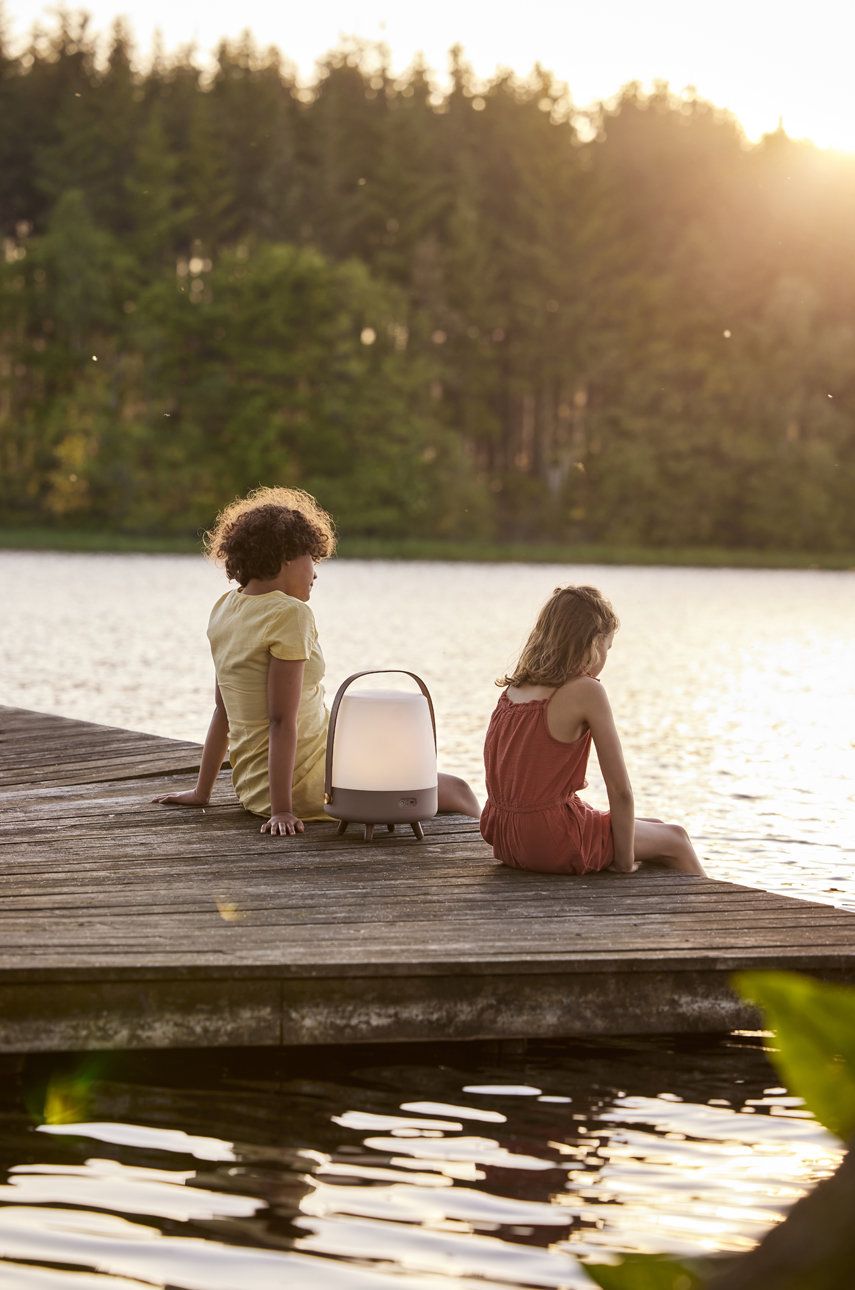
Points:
[[126, 924]]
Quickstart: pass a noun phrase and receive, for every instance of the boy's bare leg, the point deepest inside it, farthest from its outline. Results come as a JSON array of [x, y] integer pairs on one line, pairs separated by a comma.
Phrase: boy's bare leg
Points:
[[456, 795]]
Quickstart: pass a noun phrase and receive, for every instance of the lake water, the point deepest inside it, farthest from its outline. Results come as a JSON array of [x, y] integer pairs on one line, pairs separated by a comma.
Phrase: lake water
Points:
[[458, 1166]]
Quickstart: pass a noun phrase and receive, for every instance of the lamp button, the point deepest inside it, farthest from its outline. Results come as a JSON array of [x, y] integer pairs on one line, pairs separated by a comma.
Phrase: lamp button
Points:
[[407, 801]]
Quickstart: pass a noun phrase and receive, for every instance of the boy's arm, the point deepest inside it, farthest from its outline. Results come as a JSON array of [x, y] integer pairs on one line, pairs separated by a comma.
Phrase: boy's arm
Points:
[[284, 687], [213, 755]]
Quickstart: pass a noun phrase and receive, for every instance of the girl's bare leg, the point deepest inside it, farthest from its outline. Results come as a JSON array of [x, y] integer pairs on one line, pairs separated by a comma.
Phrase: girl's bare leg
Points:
[[667, 845], [456, 795]]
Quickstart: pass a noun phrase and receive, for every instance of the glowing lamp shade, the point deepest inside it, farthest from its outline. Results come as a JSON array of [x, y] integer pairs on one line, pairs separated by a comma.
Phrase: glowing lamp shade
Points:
[[381, 758]]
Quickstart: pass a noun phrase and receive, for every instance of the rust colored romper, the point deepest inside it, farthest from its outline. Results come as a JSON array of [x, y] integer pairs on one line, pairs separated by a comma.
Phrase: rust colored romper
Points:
[[533, 818]]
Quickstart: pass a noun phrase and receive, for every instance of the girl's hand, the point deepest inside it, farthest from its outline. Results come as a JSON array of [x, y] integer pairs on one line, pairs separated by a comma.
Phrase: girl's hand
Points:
[[192, 797], [285, 822], [623, 868]]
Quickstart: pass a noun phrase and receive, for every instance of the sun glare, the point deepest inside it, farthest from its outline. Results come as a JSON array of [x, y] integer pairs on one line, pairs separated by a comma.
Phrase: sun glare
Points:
[[767, 62]]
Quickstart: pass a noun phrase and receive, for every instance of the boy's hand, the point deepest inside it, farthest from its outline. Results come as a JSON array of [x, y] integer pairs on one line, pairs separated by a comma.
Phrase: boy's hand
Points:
[[617, 867], [284, 822], [189, 798]]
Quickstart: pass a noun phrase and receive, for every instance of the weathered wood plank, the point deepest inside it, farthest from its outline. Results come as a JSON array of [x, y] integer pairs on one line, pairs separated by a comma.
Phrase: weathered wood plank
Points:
[[150, 962], [37, 749], [117, 903], [124, 923], [411, 927]]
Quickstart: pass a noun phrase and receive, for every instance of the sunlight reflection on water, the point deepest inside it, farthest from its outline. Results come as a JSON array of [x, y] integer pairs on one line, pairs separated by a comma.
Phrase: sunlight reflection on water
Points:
[[280, 1176]]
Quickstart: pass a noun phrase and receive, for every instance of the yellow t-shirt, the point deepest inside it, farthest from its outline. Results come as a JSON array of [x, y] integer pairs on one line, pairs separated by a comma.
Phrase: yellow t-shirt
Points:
[[244, 631]]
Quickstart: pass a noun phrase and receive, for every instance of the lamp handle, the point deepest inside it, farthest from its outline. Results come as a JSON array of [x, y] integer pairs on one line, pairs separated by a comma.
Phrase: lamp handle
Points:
[[372, 671]]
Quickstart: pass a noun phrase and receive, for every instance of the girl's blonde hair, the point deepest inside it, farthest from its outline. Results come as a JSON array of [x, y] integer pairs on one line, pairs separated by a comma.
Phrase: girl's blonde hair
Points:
[[253, 535], [563, 641]]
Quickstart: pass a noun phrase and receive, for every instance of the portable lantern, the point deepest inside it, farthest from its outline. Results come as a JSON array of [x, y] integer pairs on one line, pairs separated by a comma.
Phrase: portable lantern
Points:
[[381, 757]]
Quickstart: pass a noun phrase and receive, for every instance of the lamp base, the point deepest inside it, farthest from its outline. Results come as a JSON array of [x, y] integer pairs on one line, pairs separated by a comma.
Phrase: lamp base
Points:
[[368, 830], [389, 807]]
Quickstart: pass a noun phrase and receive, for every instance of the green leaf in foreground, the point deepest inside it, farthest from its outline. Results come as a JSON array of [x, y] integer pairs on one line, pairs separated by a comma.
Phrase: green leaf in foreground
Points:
[[814, 1023], [643, 1272]]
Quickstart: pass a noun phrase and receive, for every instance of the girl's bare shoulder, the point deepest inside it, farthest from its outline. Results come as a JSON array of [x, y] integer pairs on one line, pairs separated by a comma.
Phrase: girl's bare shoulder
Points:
[[578, 687], [581, 696], [572, 708]]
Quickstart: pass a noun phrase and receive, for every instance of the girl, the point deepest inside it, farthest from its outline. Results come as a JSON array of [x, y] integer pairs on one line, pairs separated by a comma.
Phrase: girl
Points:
[[537, 749], [269, 712]]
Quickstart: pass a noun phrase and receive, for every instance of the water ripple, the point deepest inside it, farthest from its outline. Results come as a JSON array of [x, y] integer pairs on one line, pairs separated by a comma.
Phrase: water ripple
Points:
[[280, 1174]]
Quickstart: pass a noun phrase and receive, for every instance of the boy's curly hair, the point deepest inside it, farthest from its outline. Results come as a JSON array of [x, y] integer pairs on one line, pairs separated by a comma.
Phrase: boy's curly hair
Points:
[[254, 535], [563, 641]]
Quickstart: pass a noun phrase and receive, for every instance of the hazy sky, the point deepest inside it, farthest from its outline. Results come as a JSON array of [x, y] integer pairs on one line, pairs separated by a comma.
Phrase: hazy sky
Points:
[[762, 59]]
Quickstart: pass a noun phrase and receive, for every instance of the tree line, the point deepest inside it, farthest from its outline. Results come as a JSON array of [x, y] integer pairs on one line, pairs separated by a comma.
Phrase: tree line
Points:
[[467, 312]]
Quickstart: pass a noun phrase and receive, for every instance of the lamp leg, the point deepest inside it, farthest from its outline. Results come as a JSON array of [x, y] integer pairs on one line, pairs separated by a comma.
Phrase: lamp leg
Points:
[[369, 833], [391, 828], [418, 830], [342, 828]]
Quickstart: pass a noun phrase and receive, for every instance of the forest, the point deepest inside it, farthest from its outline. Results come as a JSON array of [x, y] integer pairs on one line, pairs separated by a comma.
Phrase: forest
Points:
[[465, 312]]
